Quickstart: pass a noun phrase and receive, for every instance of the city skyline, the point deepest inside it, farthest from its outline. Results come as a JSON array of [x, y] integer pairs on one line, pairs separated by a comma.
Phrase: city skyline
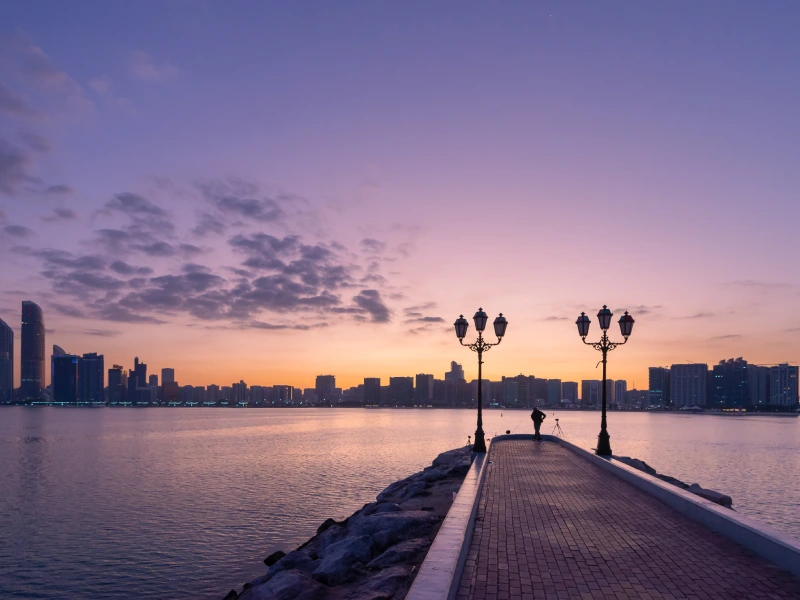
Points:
[[313, 198]]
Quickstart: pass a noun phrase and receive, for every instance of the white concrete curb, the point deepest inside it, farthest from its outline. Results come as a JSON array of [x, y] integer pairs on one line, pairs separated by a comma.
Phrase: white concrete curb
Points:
[[440, 573]]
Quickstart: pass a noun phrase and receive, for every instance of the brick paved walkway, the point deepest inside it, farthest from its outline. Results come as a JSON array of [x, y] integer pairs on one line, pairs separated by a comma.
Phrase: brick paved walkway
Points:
[[552, 525]]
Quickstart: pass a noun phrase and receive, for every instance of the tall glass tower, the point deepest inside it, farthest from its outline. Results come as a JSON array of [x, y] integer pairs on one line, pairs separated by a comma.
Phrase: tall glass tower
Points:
[[6, 363], [32, 352]]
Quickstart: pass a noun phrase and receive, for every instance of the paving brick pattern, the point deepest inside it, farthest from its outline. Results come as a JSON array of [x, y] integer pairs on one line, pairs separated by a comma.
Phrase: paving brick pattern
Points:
[[552, 525]]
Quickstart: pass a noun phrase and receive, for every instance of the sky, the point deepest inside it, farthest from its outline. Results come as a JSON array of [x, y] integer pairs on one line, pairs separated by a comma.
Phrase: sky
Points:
[[272, 191]]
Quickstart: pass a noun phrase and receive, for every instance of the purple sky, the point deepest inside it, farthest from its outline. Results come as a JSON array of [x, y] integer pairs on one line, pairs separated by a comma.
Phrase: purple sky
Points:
[[271, 191]]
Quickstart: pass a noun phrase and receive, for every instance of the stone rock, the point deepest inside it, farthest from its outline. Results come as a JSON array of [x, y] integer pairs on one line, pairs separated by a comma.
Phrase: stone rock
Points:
[[401, 553], [326, 524], [404, 522], [274, 557], [297, 560], [386, 507], [636, 464], [415, 489], [394, 489], [711, 495], [232, 595], [386, 538], [673, 481], [448, 458], [384, 585], [340, 556], [433, 475], [286, 585], [459, 469]]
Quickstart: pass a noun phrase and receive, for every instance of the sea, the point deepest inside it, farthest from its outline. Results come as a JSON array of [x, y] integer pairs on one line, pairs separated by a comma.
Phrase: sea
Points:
[[153, 503]]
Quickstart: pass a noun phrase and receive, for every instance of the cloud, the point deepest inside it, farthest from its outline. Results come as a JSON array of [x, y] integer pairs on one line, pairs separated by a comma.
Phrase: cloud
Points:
[[69, 311], [241, 199], [272, 326], [60, 214], [35, 142], [426, 320], [370, 301], [372, 245], [726, 337], [143, 67], [59, 189], [18, 231], [123, 268], [36, 68], [556, 319], [700, 315], [420, 307], [756, 284], [14, 104], [100, 85], [14, 166], [102, 332], [3, 216]]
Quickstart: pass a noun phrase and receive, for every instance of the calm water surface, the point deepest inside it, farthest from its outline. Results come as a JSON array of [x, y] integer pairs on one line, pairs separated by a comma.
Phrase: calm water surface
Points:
[[185, 503]]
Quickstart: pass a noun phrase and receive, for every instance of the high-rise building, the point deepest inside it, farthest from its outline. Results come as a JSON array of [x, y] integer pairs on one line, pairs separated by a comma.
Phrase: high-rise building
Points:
[[137, 380], [783, 385], [590, 392], [659, 386], [6, 363], [239, 391], [283, 394], [64, 377], [456, 372], [372, 391], [326, 384], [517, 391], [167, 376], [401, 390], [423, 390], [730, 386], [610, 399], [91, 378], [32, 354], [637, 398], [688, 385], [539, 391], [758, 384], [152, 381], [569, 391], [116, 388], [554, 392], [620, 391]]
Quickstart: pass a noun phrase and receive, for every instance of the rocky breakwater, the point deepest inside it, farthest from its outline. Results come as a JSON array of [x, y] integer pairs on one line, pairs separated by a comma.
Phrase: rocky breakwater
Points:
[[694, 488], [375, 553]]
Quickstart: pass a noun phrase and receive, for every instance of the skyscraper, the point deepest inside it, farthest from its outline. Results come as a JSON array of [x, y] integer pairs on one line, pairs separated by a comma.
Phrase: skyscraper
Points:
[[456, 372], [554, 392], [730, 386], [402, 391], [167, 376], [32, 354], [64, 377], [423, 389], [688, 385], [659, 386], [783, 385], [326, 384], [569, 390], [91, 378], [6, 363], [372, 391], [116, 389], [620, 392], [591, 389]]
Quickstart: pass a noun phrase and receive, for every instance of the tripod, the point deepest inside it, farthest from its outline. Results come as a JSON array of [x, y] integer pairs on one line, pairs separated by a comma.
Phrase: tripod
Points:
[[558, 429]]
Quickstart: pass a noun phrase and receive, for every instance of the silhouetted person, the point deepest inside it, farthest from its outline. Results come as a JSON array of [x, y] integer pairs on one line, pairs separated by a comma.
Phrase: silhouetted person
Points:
[[537, 416]]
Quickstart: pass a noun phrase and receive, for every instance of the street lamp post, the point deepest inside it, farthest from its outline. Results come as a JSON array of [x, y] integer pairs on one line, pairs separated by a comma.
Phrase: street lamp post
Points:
[[480, 346], [604, 346]]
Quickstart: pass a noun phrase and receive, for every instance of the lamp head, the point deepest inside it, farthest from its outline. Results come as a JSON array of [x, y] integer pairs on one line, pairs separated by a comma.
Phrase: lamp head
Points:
[[604, 316], [480, 319], [461, 326], [583, 323], [500, 325]]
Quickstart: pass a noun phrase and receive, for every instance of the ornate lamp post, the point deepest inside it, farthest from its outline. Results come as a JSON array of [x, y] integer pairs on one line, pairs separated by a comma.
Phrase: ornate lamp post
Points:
[[480, 346], [604, 346]]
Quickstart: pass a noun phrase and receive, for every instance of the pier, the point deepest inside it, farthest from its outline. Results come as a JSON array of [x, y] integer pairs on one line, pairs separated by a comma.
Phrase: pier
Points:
[[551, 522]]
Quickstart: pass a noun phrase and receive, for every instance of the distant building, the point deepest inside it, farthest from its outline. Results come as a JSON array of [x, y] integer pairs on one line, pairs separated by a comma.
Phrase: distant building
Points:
[[539, 391], [590, 392], [783, 385], [569, 391], [239, 391], [6, 363], [659, 386], [187, 394], [456, 373], [372, 391], [283, 394], [92, 378], [138, 391], [688, 385], [401, 390], [554, 392], [610, 398], [325, 389], [758, 385], [620, 392], [423, 391], [32, 353], [212, 393], [637, 398], [167, 376], [152, 381], [730, 386], [517, 391], [486, 392], [116, 389], [64, 377]]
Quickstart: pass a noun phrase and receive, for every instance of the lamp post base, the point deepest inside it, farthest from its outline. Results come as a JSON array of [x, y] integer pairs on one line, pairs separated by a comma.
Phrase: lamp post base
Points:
[[603, 444], [480, 442]]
